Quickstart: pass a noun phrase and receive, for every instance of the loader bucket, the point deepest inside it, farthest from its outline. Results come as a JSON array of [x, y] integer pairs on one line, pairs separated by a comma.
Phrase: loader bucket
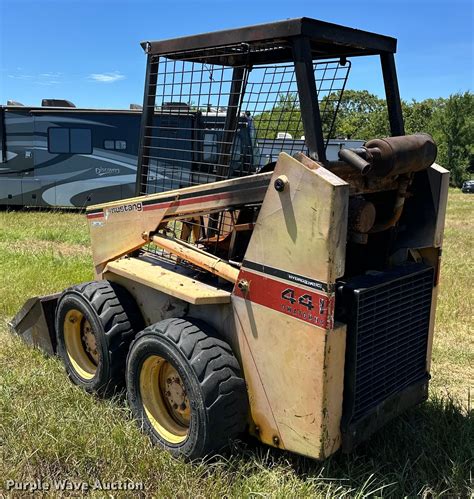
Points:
[[35, 322]]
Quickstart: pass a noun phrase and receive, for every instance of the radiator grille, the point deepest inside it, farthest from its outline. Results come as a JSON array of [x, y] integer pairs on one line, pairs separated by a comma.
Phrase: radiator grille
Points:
[[388, 318]]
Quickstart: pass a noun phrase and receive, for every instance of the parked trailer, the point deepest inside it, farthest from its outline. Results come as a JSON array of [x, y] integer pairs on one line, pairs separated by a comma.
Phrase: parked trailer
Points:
[[56, 156], [67, 157], [71, 157], [297, 304]]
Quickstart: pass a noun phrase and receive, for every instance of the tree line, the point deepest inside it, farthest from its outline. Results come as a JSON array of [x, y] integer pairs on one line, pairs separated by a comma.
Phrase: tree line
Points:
[[362, 115]]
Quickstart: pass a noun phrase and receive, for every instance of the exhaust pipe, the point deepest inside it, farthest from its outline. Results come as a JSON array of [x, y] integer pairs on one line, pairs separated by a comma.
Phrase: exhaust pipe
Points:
[[392, 155]]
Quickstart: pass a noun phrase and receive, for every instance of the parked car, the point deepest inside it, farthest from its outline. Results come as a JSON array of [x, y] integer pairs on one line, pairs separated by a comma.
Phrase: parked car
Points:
[[468, 186]]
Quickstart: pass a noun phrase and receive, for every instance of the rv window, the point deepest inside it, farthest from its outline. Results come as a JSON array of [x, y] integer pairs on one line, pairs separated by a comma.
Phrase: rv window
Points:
[[69, 140], [118, 145], [209, 147], [81, 141], [58, 140]]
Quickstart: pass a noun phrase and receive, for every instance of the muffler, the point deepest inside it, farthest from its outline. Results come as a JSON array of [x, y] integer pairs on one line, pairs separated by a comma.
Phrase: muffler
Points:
[[392, 155]]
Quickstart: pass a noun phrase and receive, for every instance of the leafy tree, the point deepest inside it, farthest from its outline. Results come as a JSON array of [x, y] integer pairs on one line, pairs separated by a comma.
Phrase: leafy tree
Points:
[[453, 130], [418, 116], [285, 116], [362, 115]]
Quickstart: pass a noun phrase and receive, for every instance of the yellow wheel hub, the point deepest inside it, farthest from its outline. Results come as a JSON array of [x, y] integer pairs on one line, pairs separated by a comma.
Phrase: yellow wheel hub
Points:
[[164, 399], [81, 344]]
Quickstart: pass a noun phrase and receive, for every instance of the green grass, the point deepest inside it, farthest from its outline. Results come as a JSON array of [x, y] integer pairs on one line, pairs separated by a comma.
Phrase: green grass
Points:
[[50, 429]]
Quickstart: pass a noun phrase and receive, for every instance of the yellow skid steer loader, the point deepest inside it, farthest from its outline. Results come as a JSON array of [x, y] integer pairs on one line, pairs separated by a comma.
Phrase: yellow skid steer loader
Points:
[[295, 300]]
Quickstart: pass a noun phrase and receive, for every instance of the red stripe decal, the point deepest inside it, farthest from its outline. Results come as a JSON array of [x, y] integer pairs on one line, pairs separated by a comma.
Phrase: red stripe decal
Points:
[[175, 203], [301, 303], [184, 202], [95, 215], [158, 206]]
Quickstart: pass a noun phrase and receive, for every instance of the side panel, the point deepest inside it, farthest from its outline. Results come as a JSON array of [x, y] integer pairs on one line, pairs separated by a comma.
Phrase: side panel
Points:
[[157, 306], [439, 184], [423, 221], [292, 354], [303, 228]]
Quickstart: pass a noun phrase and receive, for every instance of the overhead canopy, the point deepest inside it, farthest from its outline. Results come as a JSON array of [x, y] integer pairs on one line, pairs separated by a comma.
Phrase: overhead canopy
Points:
[[272, 43]]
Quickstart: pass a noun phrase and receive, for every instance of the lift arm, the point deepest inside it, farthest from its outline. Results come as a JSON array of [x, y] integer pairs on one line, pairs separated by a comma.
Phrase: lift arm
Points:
[[121, 227]]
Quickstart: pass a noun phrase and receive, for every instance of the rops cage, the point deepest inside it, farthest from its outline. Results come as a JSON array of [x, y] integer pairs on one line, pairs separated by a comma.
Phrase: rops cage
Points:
[[221, 105], [224, 104]]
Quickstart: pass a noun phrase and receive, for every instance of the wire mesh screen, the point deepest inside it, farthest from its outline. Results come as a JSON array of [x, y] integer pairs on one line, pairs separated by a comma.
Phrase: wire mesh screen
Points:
[[272, 99], [214, 121], [216, 117]]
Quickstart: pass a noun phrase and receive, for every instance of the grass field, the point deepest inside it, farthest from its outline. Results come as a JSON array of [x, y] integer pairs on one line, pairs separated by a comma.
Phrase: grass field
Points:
[[51, 430]]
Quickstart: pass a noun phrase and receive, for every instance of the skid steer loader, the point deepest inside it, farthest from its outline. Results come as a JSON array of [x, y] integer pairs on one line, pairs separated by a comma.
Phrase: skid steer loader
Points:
[[295, 300]]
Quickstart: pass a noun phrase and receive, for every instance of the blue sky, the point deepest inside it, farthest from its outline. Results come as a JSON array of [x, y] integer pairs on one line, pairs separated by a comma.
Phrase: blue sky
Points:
[[88, 51]]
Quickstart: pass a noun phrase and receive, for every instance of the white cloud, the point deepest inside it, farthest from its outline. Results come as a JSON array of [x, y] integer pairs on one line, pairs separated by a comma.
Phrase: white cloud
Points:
[[106, 77], [49, 83], [50, 75], [20, 76], [41, 78]]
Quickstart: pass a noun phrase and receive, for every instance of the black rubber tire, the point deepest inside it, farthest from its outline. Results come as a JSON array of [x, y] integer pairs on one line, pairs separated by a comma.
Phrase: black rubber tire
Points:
[[212, 378], [115, 319]]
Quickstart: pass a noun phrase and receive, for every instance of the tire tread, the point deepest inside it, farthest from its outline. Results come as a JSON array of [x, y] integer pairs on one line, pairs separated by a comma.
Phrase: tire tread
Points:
[[119, 324], [218, 372]]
